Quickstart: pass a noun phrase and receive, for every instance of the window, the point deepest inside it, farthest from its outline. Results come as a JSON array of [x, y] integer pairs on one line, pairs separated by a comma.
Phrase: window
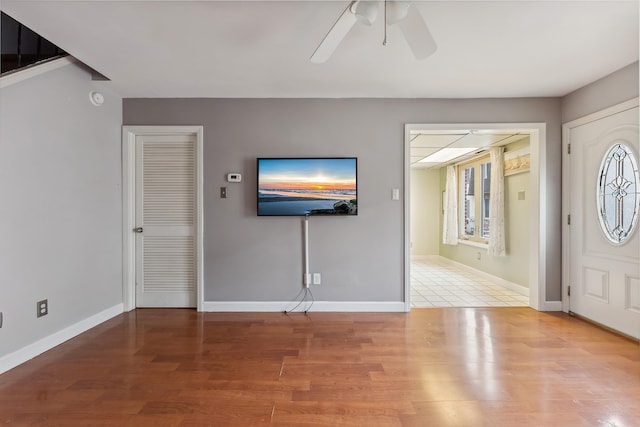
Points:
[[618, 194], [475, 186]]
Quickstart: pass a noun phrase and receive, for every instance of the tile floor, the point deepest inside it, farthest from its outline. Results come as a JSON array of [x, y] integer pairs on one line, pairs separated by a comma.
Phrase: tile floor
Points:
[[435, 283]]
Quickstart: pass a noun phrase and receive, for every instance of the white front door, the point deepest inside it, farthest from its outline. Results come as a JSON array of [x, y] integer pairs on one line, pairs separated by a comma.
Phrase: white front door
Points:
[[165, 220], [604, 272]]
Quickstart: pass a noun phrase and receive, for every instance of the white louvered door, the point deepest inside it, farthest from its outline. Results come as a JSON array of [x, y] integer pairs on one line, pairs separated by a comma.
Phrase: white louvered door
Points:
[[166, 221]]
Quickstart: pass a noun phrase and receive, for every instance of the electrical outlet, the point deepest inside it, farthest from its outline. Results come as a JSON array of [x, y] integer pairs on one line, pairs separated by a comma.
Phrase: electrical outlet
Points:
[[479, 256], [43, 308], [317, 278]]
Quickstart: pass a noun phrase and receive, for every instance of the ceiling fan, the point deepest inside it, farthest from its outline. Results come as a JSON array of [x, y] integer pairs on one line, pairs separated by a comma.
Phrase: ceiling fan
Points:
[[404, 14]]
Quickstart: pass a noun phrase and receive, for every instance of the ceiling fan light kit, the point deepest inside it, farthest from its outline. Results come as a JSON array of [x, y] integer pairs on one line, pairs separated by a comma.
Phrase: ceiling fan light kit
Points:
[[396, 11], [366, 12], [404, 14]]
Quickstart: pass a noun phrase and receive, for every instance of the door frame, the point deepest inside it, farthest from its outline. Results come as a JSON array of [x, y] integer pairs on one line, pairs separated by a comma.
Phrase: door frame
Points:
[[566, 206], [538, 190], [129, 134]]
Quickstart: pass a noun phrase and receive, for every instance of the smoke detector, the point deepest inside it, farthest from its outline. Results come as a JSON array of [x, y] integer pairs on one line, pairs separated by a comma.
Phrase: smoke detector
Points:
[[96, 98]]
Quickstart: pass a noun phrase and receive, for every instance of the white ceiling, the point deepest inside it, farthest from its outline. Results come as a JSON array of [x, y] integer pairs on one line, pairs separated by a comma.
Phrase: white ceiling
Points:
[[262, 48]]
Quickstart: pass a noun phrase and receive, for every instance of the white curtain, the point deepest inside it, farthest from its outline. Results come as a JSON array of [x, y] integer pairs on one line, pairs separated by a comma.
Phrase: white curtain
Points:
[[450, 228], [496, 204]]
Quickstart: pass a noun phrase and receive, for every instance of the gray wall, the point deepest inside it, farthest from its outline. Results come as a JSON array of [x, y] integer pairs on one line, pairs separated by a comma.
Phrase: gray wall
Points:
[[60, 215], [610, 90], [248, 258]]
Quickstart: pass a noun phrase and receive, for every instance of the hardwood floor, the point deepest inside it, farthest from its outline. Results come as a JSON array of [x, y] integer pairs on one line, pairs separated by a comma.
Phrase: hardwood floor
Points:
[[432, 367]]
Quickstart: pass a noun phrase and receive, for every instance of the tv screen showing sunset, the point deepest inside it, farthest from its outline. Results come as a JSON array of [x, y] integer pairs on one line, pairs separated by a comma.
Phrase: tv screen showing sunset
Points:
[[307, 186]]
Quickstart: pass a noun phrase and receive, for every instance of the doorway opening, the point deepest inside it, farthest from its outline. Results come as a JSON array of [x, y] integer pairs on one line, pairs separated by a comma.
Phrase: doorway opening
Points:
[[469, 141]]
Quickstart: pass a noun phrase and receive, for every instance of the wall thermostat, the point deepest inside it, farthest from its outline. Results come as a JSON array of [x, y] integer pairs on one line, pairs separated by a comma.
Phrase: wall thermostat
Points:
[[234, 177]]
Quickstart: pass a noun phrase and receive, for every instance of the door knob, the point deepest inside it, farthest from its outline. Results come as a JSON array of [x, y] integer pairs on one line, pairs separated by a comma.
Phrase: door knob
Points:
[[138, 229]]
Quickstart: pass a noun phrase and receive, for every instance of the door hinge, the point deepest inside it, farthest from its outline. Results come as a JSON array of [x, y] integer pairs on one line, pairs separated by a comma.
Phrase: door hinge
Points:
[[568, 148], [568, 219], [569, 291]]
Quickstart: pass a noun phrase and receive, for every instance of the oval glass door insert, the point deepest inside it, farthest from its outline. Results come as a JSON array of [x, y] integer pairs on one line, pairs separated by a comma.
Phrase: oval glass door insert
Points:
[[618, 194]]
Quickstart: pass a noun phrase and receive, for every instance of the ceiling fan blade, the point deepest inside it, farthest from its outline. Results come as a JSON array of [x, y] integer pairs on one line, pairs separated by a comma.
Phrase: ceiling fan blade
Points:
[[417, 34], [335, 35]]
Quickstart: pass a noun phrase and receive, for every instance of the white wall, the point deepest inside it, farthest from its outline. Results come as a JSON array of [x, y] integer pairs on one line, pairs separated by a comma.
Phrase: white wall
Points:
[[426, 208], [60, 209]]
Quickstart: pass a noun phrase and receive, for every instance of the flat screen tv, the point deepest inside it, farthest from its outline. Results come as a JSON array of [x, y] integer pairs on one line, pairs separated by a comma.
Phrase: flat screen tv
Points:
[[307, 186]]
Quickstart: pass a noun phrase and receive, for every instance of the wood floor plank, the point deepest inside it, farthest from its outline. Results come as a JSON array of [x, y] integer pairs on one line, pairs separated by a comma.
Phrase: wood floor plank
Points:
[[431, 367]]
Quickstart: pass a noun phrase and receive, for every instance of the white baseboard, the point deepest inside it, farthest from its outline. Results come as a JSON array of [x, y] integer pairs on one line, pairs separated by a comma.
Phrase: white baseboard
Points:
[[552, 306], [495, 279], [18, 357], [318, 306], [424, 257]]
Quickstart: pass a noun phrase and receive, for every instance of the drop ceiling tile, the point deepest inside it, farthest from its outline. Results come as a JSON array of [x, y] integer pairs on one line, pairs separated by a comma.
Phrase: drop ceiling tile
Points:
[[479, 140], [421, 151], [433, 141], [426, 165]]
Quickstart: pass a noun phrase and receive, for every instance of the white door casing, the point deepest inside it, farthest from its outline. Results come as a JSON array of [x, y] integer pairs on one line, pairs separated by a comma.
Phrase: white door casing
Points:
[[162, 194], [604, 278]]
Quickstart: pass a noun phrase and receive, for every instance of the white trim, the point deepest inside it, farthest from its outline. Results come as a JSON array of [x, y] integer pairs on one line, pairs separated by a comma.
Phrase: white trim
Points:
[[35, 70], [484, 246], [128, 219], [200, 218], [566, 234], [521, 290], [24, 354], [406, 241], [538, 179], [423, 257], [129, 134], [318, 306], [566, 166], [610, 111], [552, 306]]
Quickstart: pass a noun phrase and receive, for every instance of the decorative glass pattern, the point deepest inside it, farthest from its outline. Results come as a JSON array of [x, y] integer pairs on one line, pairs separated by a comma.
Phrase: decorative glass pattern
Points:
[[618, 194]]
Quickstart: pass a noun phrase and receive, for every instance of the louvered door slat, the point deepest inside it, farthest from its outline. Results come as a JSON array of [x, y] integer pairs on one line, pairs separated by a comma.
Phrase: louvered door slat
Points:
[[169, 264], [169, 183]]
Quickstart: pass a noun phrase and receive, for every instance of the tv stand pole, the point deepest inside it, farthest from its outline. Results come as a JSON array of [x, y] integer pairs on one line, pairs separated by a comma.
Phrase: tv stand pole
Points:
[[306, 276]]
